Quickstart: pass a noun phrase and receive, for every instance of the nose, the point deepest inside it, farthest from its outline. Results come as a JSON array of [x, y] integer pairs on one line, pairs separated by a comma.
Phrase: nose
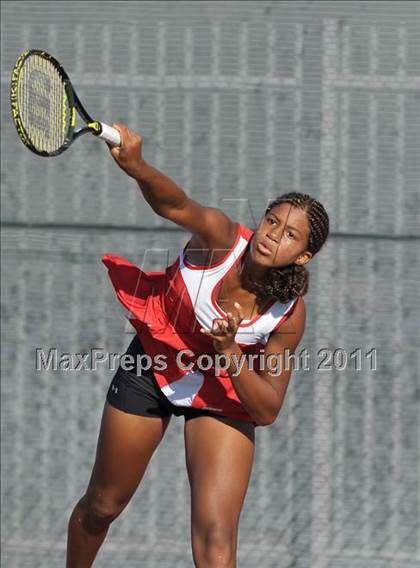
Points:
[[272, 235]]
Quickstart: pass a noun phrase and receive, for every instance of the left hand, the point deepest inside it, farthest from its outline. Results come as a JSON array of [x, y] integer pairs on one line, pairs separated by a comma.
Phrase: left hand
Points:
[[224, 330]]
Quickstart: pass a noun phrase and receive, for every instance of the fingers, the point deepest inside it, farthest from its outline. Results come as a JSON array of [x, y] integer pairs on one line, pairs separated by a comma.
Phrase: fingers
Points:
[[240, 311], [126, 133], [116, 150], [220, 326], [228, 325], [210, 335], [129, 154], [234, 322], [231, 322]]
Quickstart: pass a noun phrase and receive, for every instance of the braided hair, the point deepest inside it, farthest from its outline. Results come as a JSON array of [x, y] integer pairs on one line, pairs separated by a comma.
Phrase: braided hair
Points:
[[285, 283]]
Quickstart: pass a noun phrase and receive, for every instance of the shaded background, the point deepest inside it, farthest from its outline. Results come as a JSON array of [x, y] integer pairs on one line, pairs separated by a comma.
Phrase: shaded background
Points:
[[238, 102]]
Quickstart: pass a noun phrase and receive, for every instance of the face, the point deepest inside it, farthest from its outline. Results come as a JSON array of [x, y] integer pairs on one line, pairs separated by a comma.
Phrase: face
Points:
[[281, 238]]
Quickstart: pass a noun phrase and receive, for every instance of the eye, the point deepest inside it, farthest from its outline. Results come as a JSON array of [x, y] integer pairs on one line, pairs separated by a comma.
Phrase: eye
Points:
[[270, 219], [291, 235]]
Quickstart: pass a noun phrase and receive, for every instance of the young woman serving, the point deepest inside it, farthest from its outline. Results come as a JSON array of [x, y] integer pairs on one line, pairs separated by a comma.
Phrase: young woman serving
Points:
[[208, 325]]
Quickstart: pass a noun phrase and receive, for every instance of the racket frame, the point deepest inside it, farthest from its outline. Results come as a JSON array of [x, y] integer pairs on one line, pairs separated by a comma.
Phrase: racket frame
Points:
[[72, 104]]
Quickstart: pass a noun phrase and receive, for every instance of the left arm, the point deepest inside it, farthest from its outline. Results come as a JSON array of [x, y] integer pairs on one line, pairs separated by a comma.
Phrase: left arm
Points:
[[261, 393]]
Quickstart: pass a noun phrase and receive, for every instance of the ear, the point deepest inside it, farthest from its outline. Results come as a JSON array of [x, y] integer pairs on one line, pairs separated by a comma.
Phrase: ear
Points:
[[303, 258]]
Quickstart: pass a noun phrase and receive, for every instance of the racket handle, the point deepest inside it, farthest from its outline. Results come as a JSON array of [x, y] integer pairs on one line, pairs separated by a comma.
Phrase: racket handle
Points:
[[110, 135]]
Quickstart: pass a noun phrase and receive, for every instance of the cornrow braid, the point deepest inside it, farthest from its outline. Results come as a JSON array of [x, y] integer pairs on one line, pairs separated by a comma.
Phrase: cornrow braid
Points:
[[288, 282]]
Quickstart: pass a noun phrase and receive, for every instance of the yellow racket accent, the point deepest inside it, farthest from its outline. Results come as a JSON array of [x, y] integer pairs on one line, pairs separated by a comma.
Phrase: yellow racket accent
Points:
[[95, 126]]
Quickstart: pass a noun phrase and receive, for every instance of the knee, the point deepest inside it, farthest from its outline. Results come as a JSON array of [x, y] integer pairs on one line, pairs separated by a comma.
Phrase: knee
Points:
[[214, 546], [100, 510]]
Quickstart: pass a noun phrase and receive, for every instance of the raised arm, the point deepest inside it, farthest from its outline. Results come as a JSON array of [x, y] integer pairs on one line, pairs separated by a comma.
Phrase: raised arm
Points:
[[210, 227]]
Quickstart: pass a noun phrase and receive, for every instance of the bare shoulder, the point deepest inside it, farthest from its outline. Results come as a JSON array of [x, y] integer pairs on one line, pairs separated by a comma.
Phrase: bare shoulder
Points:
[[212, 238], [210, 227], [216, 230]]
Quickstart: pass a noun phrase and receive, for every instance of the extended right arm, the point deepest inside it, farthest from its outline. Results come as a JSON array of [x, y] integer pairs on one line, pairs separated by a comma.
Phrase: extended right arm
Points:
[[210, 226]]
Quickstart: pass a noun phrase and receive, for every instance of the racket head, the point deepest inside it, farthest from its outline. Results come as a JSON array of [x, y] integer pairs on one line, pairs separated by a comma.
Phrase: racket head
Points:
[[42, 103]]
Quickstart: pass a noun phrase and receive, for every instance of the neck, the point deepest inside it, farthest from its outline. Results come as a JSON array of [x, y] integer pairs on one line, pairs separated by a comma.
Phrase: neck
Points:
[[249, 270]]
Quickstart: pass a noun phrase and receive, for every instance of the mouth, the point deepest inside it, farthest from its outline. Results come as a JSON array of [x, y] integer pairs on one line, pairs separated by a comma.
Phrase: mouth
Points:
[[264, 248]]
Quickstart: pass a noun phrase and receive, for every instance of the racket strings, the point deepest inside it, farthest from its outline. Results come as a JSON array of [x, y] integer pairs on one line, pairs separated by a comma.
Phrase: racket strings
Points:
[[43, 104]]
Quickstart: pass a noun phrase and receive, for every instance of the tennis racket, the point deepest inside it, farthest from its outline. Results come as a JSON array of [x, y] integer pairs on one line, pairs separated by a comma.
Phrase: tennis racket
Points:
[[44, 105]]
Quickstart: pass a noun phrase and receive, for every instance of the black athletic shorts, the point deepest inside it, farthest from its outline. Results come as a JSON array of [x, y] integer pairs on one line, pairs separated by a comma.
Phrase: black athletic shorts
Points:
[[141, 395]]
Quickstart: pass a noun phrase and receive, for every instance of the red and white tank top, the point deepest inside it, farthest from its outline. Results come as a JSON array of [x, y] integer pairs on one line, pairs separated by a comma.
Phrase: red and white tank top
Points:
[[167, 310]]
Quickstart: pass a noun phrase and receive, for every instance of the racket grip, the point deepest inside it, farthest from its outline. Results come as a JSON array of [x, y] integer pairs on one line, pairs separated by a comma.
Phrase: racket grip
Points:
[[110, 135]]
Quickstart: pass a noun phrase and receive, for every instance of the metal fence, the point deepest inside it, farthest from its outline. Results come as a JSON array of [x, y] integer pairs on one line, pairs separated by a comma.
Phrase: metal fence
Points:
[[238, 102]]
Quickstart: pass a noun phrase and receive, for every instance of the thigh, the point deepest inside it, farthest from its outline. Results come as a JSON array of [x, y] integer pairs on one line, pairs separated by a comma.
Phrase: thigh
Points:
[[219, 456], [125, 445]]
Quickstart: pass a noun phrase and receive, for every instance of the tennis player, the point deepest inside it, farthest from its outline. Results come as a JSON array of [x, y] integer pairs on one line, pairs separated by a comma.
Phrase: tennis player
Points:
[[234, 295]]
